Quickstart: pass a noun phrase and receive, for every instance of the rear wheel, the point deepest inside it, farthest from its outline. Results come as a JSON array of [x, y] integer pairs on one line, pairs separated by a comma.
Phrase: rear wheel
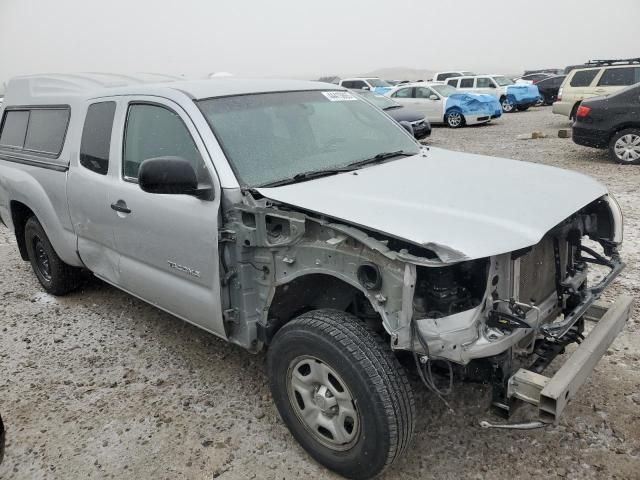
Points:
[[54, 275], [341, 392], [454, 119], [624, 146], [540, 102]]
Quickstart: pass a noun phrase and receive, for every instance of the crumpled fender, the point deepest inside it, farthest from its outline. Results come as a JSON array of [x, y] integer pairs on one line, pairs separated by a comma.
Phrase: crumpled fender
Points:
[[523, 93], [474, 104]]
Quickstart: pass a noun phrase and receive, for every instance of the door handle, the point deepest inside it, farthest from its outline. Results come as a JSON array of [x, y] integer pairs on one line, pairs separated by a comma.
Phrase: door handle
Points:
[[120, 206]]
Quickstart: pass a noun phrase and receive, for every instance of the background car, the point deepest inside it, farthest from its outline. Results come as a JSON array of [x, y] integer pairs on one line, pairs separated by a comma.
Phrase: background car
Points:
[[583, 83], [549, 87], [611, 122], [533, 78], [441, 103], [370, 83], [510, 95], [442, 76], [421, 126]]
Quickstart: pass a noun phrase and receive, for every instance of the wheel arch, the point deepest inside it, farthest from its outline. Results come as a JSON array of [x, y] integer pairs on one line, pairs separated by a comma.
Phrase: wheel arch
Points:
[[622, 126], [315, 290], [20, 213]]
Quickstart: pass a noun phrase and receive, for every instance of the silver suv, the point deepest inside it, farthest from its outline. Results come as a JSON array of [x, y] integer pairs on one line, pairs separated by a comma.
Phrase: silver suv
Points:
[[296, 218]]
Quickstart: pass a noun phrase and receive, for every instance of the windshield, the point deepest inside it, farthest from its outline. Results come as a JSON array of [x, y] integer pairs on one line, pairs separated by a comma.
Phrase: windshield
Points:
[[272, 137], [379, 100], [376, 82], [502, 81], [445, 90]]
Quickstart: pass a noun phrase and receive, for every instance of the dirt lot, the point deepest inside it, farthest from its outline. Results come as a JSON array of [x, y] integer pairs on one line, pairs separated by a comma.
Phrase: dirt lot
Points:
[[101, 385]]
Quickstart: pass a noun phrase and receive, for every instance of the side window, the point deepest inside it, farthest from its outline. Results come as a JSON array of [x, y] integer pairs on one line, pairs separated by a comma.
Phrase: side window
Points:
[[483, 82], [423, 92], [153, 131], [358, 84], [620, 76], [347, 84], [14, 128], [40, 130], [96, 137], [583, 78], [466, 83], [454, 82], [403, 93]]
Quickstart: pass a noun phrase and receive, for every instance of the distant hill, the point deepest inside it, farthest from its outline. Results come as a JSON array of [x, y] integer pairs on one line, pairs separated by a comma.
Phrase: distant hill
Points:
[[400, 73]]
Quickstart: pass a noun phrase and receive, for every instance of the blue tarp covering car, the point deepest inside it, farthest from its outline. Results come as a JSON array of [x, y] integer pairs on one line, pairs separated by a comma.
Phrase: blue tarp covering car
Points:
[[475, 104], [522, 94]]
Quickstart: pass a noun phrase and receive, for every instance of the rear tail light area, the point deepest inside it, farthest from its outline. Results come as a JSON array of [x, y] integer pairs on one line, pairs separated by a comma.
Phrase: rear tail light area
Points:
[[559, 98], [583, 111]]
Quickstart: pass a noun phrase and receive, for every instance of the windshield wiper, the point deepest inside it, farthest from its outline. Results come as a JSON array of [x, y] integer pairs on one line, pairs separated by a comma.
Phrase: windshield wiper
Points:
[[381, 157], [301, 177]]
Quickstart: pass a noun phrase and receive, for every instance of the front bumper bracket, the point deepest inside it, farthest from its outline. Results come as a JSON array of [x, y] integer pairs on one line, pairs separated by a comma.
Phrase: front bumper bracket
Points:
[[551, 395]]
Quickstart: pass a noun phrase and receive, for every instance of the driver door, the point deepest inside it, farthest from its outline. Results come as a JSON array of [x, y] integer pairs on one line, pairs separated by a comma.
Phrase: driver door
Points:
[[168, 244], [432, 108]]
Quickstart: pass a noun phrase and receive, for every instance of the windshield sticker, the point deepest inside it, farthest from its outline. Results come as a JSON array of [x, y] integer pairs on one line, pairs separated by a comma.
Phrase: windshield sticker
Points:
[[339, 96]]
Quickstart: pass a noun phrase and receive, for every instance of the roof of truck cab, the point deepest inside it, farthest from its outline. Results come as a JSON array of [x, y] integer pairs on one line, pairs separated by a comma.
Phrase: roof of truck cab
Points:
[[26, 89]]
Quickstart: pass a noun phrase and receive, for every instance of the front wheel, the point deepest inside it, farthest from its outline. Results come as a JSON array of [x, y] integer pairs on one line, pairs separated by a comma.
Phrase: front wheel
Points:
[[56, 277], [342, 393], [624, 146], [507, 105], [454, 119]]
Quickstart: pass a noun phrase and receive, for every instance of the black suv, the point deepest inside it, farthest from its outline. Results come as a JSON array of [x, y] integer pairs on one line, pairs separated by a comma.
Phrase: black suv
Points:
[[611, 122]]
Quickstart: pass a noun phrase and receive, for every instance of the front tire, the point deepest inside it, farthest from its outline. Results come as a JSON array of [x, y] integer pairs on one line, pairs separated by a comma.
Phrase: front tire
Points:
[[507, 105], [624, 146], [454, 119], [341, 392], [55, 276]]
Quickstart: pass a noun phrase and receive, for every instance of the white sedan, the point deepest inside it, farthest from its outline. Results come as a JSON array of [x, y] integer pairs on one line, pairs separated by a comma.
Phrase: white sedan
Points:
[[441, 103]]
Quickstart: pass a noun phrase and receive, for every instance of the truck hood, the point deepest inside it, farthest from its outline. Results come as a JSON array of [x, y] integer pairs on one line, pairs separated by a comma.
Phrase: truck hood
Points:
[[459, 205]]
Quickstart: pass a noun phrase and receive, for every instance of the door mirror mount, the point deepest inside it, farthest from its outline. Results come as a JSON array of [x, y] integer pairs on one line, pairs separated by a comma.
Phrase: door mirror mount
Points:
[[433, 97], [171, 175]]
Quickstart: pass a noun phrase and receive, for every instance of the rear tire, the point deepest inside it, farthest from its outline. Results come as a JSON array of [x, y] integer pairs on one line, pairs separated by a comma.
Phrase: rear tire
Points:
[[624, 147], [330, 374], [55, 276]]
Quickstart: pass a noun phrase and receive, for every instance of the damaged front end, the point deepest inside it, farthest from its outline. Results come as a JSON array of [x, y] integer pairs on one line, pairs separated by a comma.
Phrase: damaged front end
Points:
[[516, 312], [491, 316]]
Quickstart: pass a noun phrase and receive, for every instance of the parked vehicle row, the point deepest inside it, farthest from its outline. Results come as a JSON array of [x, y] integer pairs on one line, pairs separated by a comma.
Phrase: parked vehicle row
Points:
[[583, 83], [297, 218], [511, 96]]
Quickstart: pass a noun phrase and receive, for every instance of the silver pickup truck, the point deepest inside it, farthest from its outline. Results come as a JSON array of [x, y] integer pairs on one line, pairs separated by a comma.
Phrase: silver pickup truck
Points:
[[294, 217]]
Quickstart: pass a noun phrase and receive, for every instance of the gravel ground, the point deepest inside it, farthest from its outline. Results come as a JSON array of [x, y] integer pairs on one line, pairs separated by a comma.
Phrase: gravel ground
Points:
[[100, 385]]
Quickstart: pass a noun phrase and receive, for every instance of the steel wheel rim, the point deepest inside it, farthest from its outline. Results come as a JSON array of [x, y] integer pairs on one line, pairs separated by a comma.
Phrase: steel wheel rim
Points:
[[627, 147], [507, 106], [455, 119], [323, 403], [42, 259]]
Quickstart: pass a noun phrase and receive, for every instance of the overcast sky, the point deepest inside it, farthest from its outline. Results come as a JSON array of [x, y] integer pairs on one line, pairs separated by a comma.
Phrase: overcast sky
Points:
[[302, 38]]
